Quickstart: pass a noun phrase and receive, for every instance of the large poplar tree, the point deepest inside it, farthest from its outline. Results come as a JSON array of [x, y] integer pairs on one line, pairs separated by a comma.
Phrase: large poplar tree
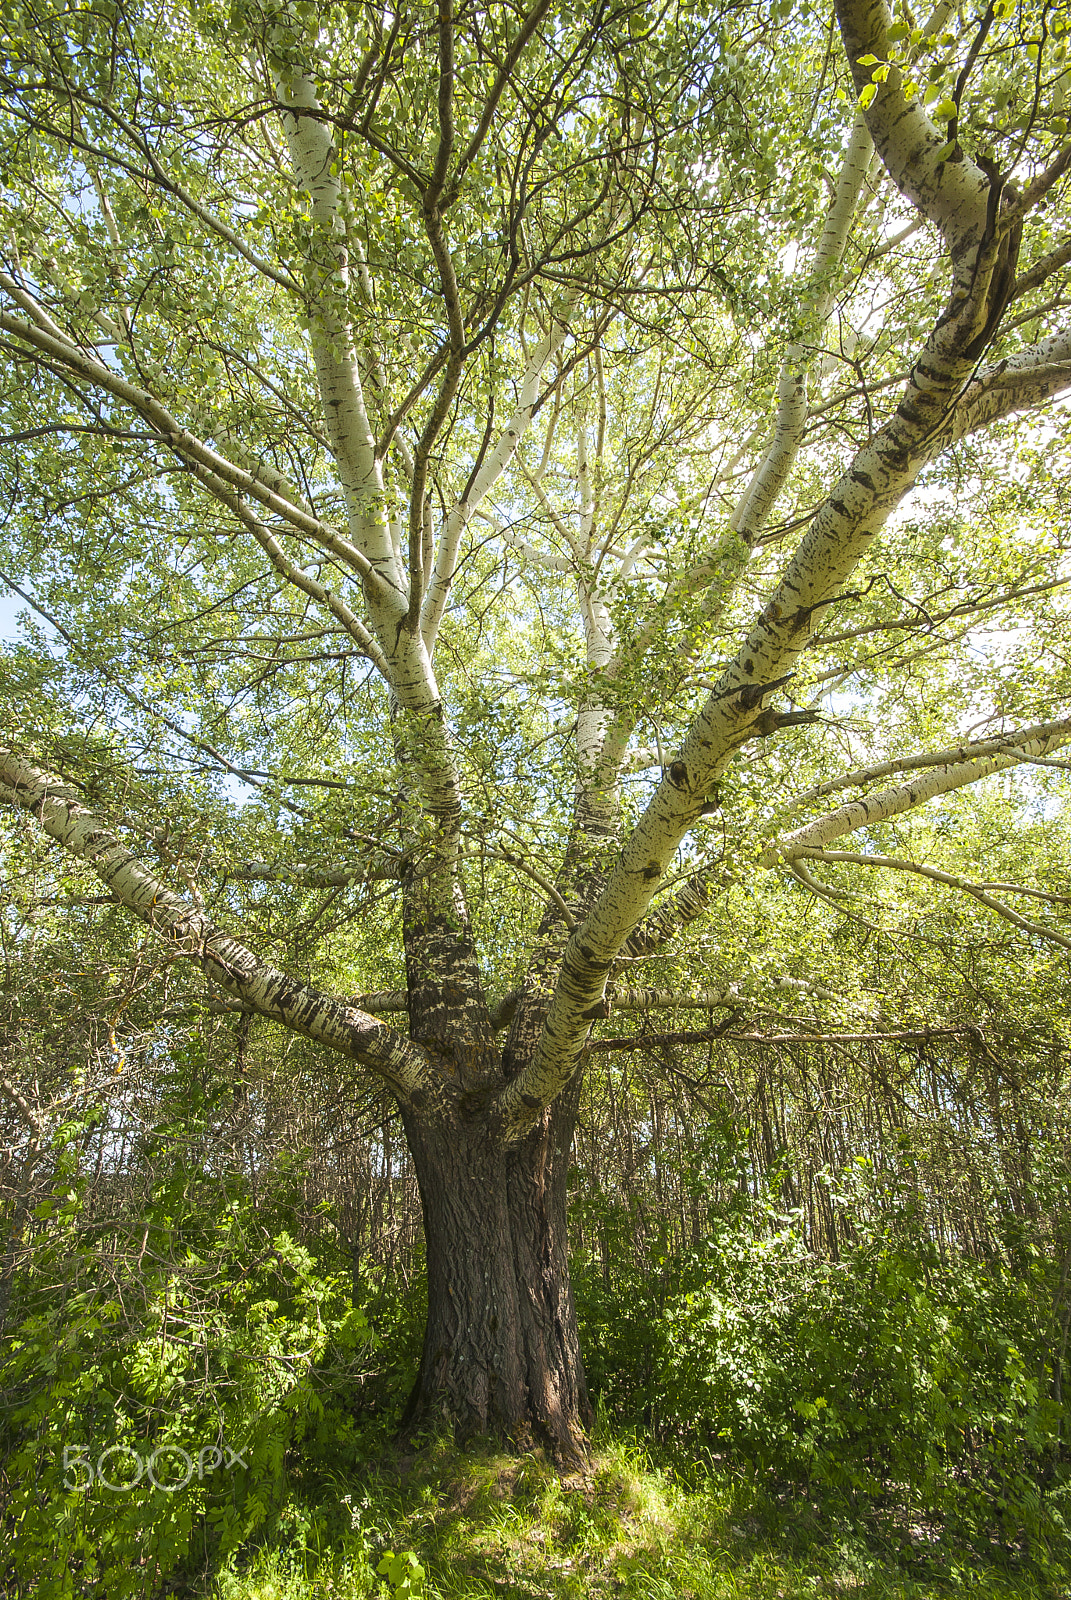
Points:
[[457, 429]]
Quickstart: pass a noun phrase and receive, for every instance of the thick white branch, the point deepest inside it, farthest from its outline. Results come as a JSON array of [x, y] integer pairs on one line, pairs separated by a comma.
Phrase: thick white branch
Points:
[[223, 959], [904, 797], [316, 165], [632, 999], [952, 194], [771, 474], [951, 755], [494, 465], [1028, 378]]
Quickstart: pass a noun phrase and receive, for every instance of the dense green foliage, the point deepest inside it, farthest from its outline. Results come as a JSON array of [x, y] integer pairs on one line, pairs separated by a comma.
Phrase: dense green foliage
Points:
[[898, 1391], [518, 308], [889, 1376], [158, 1369]]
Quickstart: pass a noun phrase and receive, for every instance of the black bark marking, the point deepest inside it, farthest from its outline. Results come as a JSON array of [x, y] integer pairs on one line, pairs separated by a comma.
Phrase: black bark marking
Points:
[[911, 414], [753, 694], [770, 721]]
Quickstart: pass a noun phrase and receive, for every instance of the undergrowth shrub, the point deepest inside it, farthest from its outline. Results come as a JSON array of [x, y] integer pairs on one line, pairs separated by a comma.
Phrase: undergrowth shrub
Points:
[[890, 1375], [157, 1369]]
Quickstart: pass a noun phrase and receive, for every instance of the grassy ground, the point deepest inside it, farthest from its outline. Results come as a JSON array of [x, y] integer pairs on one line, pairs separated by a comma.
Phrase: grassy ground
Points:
[[486, 1526]]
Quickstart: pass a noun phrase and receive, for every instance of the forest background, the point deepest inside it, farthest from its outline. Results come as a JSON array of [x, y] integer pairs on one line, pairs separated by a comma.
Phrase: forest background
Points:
[[540, 539]]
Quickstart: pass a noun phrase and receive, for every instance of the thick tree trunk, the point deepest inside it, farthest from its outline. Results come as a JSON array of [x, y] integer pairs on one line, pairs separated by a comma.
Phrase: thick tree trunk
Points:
[[501, 1349]]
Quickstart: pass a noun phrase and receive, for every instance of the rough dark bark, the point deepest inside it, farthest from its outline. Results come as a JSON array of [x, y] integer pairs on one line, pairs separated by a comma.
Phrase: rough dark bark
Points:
[[501, 1349], [537, 1181]]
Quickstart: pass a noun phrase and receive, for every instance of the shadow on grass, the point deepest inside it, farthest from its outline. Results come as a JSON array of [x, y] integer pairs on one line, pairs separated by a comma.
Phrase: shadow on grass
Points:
[[486, 1524]]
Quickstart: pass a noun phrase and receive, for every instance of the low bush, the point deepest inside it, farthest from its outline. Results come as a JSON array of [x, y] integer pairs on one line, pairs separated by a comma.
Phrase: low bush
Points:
[[156, 1372], [889, 1376]]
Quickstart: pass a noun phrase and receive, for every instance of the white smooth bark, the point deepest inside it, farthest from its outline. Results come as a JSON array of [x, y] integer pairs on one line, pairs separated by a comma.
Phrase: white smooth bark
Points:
[[223, 959], [951, 194], [1030, 377], [316, 164], [406, 657], [494, 465], [893, 802], [971, 751], [633, 999], [771, 475], [693, 899]]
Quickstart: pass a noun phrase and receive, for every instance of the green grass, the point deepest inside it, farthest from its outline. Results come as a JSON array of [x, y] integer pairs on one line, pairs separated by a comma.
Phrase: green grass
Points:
[[490, 1526]]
